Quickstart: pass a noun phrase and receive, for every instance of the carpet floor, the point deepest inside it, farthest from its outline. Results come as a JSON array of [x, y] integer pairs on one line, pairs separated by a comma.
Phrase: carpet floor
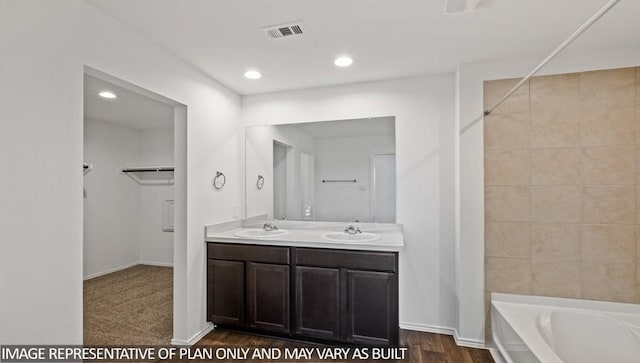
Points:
[[133, 306]]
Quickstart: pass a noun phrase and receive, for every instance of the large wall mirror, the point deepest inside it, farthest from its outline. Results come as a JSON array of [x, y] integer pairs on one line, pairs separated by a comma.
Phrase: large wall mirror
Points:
[[327, 171]]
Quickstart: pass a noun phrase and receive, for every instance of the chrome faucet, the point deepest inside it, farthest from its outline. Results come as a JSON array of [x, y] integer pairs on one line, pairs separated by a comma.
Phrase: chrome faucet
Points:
[[269, 227], [350, 229]]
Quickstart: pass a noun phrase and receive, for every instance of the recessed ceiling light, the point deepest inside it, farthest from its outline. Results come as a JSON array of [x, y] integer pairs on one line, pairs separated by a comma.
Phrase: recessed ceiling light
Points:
[[107, 94], [343, 61], [253, 74]]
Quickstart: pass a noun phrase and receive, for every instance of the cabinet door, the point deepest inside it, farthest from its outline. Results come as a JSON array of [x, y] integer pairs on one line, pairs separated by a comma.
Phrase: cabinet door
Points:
[[226, 292], [317, 302], [269, 296], [371, 309]]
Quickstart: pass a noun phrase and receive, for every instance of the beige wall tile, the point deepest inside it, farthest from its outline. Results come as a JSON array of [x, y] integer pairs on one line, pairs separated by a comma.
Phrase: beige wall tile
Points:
[[506, 167], [556, 93], [555, 278], [638, 246], [508, 204], [637, 124], [555, 241], [609, 282], [504, 239], [511, 275], [607, 87], [555, 166], [555, 204], [608, 165], [562, 176], [495, 90], [507, 131], [638, 284], [638, 86], [608, 125], [555, 129], [637, 217], [637, 164], [608, 204], [609, 243]]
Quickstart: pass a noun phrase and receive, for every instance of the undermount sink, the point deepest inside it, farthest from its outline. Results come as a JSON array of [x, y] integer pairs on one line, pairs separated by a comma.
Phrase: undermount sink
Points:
[[350, 237], [261, 233]]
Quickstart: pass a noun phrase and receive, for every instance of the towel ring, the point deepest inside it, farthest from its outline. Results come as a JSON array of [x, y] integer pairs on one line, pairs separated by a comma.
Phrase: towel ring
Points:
[[219, 181], [260, 182]]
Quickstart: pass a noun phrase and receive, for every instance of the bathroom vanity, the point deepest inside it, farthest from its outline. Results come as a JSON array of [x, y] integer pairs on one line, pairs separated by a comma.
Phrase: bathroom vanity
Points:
[[313, 282]]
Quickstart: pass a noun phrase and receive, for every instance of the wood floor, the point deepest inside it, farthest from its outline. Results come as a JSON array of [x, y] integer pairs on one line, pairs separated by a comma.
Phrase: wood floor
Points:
[[423, 347]]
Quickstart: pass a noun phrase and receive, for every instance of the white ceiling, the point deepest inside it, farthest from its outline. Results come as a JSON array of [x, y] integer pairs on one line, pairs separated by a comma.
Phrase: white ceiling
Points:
[[129, 108], [376, 126], [387, 38]]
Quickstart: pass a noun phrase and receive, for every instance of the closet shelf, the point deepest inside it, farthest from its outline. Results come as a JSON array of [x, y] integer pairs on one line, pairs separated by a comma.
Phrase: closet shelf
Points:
[[150, 175]]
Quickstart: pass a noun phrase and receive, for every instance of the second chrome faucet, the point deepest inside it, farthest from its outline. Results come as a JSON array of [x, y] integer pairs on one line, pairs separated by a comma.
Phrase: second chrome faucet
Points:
[[350, 229], [269, 227]]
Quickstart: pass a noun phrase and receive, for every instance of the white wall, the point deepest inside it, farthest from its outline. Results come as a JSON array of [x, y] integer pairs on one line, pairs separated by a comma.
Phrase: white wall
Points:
[[424, 111], [155, 245], [347, 158], [44, 46], [111, 200], [470, 227]]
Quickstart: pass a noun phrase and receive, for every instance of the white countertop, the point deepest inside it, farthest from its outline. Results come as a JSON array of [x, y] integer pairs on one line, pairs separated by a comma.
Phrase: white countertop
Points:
[[308, 234]]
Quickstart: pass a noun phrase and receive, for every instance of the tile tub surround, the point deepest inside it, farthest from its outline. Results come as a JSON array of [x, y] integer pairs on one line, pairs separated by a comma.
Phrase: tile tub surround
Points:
[[562, 186], [308, 234]]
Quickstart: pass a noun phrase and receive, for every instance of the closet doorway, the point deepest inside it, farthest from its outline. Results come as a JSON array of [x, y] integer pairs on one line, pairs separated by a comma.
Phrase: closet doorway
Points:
[[134, 211]]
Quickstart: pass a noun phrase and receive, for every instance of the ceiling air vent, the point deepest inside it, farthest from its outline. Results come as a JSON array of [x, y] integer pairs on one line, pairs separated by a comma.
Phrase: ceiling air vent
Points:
[[284, 30]]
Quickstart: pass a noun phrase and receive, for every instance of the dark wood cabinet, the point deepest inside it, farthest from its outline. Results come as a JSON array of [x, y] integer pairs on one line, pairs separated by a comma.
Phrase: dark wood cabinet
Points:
[[371, 311], [318, 302], [314, 293], [363, 290], [226, 292], [268, 295], [249, 287]]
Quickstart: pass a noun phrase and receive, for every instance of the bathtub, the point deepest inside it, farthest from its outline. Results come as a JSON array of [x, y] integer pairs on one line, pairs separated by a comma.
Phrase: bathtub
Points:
[[533, 329]]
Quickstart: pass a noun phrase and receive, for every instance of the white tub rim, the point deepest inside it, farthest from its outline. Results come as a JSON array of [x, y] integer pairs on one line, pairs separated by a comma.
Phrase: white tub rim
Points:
[[532, 304]]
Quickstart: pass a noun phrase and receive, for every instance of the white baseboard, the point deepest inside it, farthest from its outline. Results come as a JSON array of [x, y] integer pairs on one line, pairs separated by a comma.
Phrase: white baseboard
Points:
[[105, 272], [495, 354], [194, 339], [428, 328], [151, 263], [161, 264], [470, 343]]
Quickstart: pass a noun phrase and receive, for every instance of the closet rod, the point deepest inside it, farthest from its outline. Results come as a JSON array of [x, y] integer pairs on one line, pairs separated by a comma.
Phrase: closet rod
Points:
[[148, 169], [339, 181]]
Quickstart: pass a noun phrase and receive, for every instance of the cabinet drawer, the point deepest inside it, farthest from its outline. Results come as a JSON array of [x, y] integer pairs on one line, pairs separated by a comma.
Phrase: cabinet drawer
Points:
[[253, 253], [357, 260]]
